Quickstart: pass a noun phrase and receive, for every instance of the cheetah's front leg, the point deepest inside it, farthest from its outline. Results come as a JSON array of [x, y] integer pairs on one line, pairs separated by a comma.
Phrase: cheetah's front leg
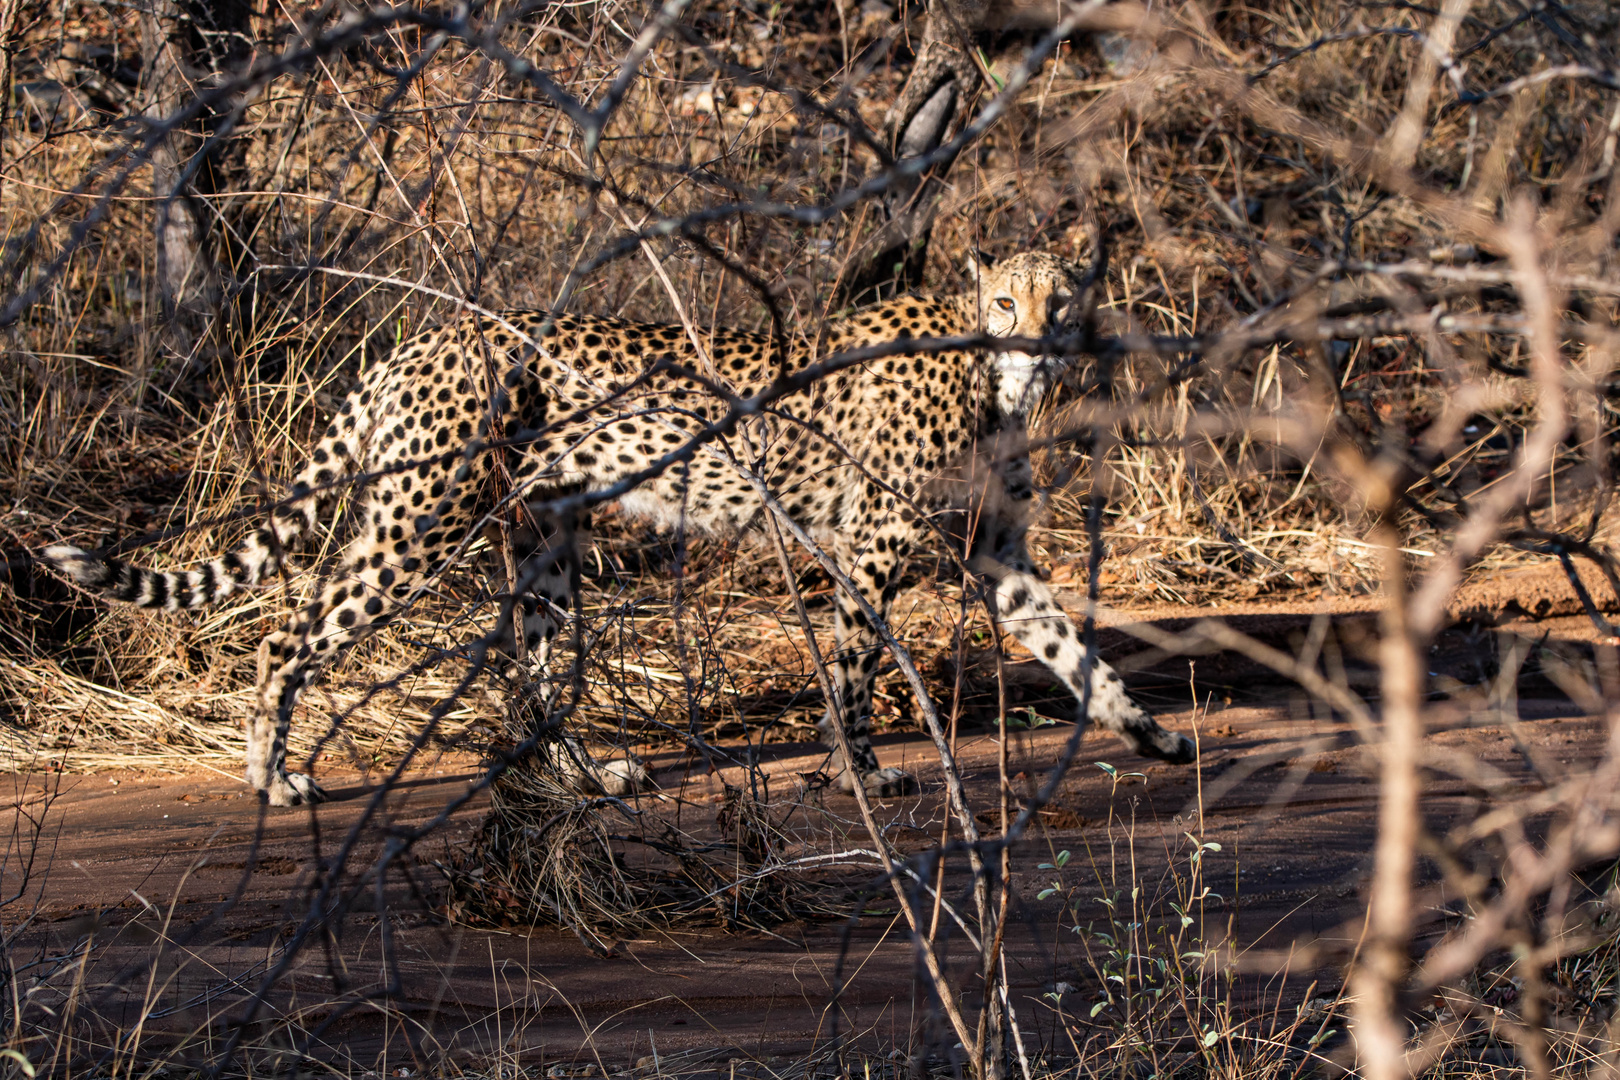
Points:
[[875, 567], [1025, 608]]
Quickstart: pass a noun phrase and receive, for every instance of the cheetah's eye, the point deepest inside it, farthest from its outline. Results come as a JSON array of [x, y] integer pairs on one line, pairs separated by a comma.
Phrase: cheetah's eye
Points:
[[1005, 303]]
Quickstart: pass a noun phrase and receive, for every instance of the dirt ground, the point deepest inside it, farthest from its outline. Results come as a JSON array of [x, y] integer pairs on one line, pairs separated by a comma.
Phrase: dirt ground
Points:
[[191, 870]]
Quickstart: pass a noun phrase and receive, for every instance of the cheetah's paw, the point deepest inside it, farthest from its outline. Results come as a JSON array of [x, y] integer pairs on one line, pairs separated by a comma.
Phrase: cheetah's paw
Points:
[[884, 783], [1168, 746], [294, 789]]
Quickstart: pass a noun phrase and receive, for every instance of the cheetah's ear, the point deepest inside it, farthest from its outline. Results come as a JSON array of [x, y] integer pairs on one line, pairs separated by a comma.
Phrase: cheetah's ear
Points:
[[978, 265]]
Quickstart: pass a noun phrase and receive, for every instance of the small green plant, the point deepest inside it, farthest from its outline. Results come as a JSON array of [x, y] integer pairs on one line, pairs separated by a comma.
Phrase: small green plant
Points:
[[1029, 721], [1163, 985]]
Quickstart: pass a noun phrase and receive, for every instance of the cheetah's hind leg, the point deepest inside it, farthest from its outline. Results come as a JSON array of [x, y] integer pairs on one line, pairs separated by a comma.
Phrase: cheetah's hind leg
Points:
[[1026, 609], [267, 728]]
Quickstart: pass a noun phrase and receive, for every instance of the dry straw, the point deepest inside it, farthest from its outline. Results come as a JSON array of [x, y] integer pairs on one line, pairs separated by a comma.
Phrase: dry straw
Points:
[[1356, 339]]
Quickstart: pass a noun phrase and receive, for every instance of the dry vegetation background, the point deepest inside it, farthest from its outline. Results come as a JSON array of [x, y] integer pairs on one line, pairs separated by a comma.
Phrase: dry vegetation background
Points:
[[1358, 328]]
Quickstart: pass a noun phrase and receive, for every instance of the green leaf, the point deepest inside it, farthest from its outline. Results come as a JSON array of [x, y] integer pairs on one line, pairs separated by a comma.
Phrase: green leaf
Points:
[[1000, 85], [1044, 893], [1210, 1037]]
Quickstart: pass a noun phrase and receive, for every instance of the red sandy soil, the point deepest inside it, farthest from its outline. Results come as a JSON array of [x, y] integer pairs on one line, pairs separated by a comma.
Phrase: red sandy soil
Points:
[[153, 864]]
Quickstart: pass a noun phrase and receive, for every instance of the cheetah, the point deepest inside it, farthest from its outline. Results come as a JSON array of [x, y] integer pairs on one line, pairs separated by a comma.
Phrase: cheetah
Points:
[[882, 459]]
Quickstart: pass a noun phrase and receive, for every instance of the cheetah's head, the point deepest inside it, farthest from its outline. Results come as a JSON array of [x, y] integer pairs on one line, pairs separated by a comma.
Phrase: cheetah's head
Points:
[[1028, 295]]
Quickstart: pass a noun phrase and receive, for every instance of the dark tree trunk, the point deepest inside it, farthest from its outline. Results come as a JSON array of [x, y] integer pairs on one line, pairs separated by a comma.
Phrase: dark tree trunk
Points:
[[177, 59], [185, 272], [933, 107], [942, 86]]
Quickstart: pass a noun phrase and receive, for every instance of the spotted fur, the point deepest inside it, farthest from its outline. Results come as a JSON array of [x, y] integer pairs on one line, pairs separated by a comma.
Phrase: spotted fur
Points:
[[880, 458]]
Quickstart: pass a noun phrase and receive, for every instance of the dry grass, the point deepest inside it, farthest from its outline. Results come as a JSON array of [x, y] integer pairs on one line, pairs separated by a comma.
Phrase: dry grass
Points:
[[1248, 167], [109, 434], [615, 868]]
